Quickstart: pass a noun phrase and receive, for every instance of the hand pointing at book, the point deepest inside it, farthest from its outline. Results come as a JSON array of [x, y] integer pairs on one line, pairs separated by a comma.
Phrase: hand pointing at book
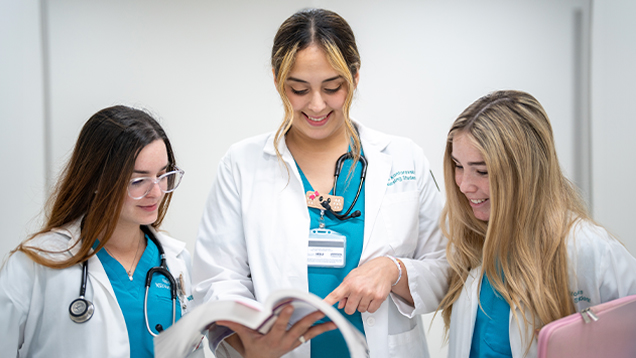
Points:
[[279, 340], [366, 287]]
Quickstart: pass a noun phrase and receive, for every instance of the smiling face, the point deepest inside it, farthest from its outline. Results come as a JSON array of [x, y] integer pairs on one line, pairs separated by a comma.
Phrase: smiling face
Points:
[[317, 94], [152, 162], [471, 175]]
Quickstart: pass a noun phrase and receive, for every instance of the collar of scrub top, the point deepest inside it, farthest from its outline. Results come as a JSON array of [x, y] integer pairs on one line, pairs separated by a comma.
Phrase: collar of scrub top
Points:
[[81, 309]]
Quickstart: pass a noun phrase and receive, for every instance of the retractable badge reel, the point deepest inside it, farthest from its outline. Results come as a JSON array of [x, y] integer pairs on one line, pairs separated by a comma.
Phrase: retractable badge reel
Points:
[[327, 248]]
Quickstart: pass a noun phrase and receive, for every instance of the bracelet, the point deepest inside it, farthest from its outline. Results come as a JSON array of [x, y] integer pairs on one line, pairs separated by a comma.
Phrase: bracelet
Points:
[[399, 269]]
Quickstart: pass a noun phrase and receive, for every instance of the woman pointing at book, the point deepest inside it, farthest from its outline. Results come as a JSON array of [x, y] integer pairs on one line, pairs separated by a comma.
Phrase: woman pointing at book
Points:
[[324, 205]]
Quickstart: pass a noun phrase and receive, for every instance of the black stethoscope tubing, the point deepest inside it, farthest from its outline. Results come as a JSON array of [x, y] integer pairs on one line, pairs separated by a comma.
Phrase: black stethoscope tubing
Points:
[[336, 175], [162, 269], [81, 309]]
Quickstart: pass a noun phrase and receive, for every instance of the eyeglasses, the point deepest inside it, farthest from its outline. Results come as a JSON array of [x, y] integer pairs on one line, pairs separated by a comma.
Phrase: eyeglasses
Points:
[[168, 182]]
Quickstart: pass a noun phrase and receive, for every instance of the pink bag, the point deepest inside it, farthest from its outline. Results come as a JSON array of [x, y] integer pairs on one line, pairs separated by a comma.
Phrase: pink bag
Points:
[[607, 330]]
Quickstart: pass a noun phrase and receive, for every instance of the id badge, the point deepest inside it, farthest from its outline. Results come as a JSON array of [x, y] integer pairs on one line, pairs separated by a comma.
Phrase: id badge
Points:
[[327, 248]]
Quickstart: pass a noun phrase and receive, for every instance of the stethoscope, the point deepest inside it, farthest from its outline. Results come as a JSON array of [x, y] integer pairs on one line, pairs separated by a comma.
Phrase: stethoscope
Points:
[[81, 309], [336, 175]]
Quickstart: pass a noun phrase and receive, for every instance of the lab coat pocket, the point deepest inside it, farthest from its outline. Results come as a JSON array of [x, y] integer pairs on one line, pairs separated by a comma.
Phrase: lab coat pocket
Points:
[[408, 344], [400, 215]]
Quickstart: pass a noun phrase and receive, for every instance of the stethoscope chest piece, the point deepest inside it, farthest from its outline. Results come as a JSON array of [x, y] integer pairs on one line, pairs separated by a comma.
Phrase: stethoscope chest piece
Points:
[[81, 310]]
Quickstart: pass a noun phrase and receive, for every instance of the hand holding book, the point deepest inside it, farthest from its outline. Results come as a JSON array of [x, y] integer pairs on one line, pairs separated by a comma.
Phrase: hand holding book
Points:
[[279, 340], [279, 322]]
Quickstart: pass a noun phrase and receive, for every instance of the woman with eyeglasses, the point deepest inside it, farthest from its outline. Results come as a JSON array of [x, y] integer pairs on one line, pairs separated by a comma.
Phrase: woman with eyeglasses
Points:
[[93, 282]]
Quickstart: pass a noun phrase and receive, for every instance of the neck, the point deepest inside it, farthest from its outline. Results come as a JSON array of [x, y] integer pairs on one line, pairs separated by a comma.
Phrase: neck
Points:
[[301, 146], [125, 238]]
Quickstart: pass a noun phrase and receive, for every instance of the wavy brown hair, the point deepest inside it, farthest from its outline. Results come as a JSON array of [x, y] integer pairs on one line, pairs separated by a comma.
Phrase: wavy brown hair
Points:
[[522, 248], [333, 35], [93, 185]]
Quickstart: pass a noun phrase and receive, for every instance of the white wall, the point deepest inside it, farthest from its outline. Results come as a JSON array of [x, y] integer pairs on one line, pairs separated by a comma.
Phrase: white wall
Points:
[[23, 189], [613, 92], [203, 68]]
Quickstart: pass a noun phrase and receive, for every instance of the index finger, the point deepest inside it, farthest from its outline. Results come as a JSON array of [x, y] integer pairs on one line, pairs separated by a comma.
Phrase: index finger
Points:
[[336, 295]]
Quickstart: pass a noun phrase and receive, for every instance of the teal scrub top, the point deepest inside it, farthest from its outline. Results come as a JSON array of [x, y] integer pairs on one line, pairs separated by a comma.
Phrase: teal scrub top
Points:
[[130, 296], [323, 280], [491, 337]]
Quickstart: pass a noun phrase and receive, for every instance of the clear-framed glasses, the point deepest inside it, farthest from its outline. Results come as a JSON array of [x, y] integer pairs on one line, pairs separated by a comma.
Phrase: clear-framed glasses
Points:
[[168, 182]]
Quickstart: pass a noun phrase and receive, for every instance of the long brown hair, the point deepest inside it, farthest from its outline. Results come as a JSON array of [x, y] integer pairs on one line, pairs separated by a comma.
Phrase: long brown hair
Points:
[[522, 248], [333, 34], [93, 185]]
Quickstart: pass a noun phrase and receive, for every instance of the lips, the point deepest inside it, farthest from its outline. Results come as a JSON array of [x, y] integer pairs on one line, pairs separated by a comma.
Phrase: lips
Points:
[[317, 121], [477, 202], [152, 207]]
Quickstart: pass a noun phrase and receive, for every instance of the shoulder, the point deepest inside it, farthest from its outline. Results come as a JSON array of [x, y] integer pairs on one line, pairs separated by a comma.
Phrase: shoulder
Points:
[[588, 242], [584, 234], [52, 240], [602, 266], [55, 244], [249, 147], [404, 152], [386, 142]]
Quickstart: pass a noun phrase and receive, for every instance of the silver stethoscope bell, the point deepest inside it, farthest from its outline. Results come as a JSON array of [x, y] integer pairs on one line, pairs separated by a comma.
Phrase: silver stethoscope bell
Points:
[[81, 310]]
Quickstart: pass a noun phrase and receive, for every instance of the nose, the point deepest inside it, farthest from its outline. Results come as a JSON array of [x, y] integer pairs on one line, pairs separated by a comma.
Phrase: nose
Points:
[[155, 191], [464, 183], [317, 103]]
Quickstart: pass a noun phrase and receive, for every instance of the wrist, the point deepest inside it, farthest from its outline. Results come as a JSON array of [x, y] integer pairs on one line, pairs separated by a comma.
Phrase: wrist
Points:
[[399, 267]]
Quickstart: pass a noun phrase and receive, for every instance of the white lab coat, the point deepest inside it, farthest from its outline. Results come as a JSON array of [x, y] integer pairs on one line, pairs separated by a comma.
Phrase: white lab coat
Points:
[[253, 237], [600, 270], [34, 302]]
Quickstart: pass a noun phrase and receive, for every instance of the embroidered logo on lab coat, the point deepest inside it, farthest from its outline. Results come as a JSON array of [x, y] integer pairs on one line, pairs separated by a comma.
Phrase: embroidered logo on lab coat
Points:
[[578, 296], [400, 176]]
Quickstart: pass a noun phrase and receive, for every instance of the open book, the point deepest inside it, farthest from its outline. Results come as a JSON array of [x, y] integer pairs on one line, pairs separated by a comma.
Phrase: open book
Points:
[[182, 338]]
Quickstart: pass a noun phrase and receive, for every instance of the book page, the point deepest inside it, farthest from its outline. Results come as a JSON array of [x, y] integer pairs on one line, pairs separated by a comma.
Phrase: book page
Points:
[[183, 337]]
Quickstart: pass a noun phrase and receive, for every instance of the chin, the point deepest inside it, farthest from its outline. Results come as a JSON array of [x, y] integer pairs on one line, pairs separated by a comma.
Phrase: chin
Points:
[[148, 221], [482, 216]]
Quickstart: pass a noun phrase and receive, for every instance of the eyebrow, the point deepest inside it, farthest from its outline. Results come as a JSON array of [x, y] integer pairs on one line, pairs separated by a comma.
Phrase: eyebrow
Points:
[[135, 171], [302, 81], [469, 163]]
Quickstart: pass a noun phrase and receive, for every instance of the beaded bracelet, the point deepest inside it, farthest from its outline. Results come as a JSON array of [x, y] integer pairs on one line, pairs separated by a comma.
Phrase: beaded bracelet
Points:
[[399, 269]]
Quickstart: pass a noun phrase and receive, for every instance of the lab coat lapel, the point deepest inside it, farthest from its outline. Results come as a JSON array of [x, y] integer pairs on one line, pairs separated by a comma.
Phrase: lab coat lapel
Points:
[[98, 274], [465, 311], [95, 269], [292, 265], [378, 172]]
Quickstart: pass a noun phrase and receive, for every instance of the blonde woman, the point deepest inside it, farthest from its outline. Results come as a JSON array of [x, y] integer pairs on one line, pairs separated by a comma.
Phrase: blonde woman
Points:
[[522, 248], [257, 228]]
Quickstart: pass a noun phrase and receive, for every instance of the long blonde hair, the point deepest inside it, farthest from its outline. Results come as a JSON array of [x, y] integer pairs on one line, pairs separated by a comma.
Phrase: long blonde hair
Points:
[[333, 34], [533, 207]]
